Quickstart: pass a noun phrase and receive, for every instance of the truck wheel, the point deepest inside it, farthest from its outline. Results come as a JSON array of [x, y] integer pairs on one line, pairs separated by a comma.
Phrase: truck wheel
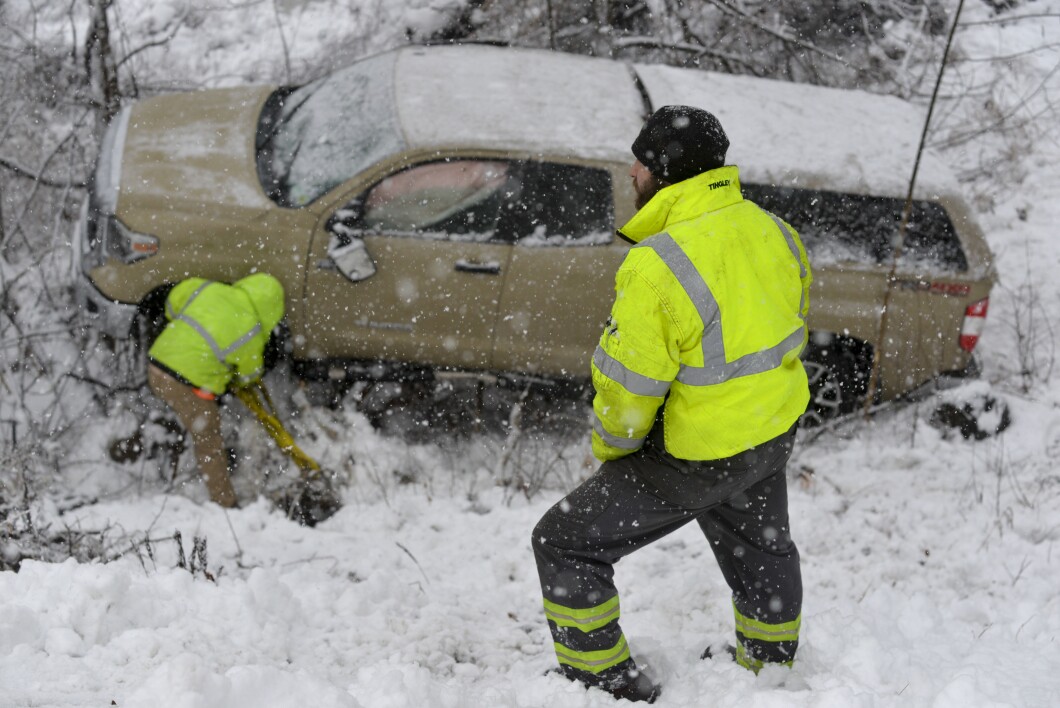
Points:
[[826, 397], [150, 318], [838, 374], [129, 367]]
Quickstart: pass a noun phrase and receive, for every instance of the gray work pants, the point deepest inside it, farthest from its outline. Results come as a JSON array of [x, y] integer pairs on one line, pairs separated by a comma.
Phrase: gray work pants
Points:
[[741, 506]]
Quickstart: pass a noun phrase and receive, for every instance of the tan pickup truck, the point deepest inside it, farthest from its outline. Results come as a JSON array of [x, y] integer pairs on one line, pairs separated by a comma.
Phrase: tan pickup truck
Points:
[[454, 208]]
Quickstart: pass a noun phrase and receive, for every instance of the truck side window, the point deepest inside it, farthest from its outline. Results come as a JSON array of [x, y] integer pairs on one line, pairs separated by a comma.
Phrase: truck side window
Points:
[[837, 227], [560, 205], [458, 199]]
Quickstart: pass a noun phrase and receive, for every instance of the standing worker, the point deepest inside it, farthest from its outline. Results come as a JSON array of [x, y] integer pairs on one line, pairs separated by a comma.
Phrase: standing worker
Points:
[[699, 388], [216, 334]]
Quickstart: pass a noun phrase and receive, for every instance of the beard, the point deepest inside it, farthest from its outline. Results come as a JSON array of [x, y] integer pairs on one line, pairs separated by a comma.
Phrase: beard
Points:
[[646, 190]]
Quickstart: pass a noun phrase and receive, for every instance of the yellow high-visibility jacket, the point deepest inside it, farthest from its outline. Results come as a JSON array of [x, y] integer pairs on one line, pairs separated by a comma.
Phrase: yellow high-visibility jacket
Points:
[[217, 332], [708, 322]]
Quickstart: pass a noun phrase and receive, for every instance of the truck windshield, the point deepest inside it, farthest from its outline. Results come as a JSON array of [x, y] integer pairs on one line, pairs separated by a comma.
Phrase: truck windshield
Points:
[[313, 138]]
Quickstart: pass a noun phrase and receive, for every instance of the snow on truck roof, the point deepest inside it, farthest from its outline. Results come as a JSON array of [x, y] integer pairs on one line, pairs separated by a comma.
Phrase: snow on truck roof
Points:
[[554, 103], [533, 100], [799, 134]]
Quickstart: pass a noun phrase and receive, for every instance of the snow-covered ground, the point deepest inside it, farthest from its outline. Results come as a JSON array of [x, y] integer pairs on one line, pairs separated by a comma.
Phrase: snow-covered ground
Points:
[[931, 572]]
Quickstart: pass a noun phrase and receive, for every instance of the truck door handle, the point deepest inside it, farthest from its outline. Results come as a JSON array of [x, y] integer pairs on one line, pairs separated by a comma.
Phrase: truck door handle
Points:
[[489, 267]]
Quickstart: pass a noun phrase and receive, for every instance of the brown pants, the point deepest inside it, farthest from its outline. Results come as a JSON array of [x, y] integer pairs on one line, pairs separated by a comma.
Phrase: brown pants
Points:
[[202, 419]]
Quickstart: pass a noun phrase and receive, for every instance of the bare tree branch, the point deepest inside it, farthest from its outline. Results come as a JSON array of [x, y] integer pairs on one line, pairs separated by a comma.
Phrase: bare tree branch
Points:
[[26, 173], [283, 41], [99, 62], [1008, 20], [1008, 57], [808, 46], [36, 185], [958, 137], [685, 47], [154, 43]]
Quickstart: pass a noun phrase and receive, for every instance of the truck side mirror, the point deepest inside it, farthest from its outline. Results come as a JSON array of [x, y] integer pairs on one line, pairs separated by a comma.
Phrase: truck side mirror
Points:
[[351, 257]]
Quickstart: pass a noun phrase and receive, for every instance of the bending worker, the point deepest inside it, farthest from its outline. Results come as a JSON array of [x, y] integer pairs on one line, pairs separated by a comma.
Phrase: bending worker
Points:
[[698, 389], [216, 335]]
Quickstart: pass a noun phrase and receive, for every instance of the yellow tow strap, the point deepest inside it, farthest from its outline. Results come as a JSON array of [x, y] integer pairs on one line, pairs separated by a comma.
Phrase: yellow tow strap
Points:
[[252, 398]]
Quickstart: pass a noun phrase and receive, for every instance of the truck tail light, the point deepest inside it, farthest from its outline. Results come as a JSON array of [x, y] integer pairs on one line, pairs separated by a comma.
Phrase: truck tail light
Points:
[[974, 318]]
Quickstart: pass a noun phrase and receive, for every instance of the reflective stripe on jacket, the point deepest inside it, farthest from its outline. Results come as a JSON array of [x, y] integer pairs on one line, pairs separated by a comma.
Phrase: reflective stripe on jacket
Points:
[[215, 333], [708, 322]]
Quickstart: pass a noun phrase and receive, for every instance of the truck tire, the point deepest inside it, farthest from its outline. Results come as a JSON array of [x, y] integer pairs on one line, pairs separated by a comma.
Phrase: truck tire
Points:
[[838, 374]]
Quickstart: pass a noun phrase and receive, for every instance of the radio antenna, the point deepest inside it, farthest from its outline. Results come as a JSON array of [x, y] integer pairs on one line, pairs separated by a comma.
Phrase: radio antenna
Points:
[[874, 376]]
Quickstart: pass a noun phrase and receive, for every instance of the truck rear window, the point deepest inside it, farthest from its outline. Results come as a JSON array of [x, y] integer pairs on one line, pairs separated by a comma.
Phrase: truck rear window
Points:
[[836, 227]]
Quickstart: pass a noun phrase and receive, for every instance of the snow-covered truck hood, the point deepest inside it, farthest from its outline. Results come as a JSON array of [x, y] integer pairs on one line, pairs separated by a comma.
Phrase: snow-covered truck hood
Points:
[[186, 150]]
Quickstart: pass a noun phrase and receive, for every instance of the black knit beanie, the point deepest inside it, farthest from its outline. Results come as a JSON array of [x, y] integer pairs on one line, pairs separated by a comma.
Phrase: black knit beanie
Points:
[[680, 142]]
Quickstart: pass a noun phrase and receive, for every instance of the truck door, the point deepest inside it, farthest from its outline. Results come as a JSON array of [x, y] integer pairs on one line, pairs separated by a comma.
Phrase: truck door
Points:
[[560, 284], [411, 270]]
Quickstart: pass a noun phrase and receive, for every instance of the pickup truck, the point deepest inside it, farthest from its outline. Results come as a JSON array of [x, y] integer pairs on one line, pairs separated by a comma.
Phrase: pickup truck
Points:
[[454, 208]]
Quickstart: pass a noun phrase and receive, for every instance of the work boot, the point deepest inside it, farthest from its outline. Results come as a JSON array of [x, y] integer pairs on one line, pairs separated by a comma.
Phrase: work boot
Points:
[[746, 661], [640, 689]]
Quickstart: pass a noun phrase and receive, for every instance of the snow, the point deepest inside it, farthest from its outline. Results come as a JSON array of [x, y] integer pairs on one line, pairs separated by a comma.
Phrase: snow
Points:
[[566, 104], [811, 136], [927, 583], [930, 566]]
